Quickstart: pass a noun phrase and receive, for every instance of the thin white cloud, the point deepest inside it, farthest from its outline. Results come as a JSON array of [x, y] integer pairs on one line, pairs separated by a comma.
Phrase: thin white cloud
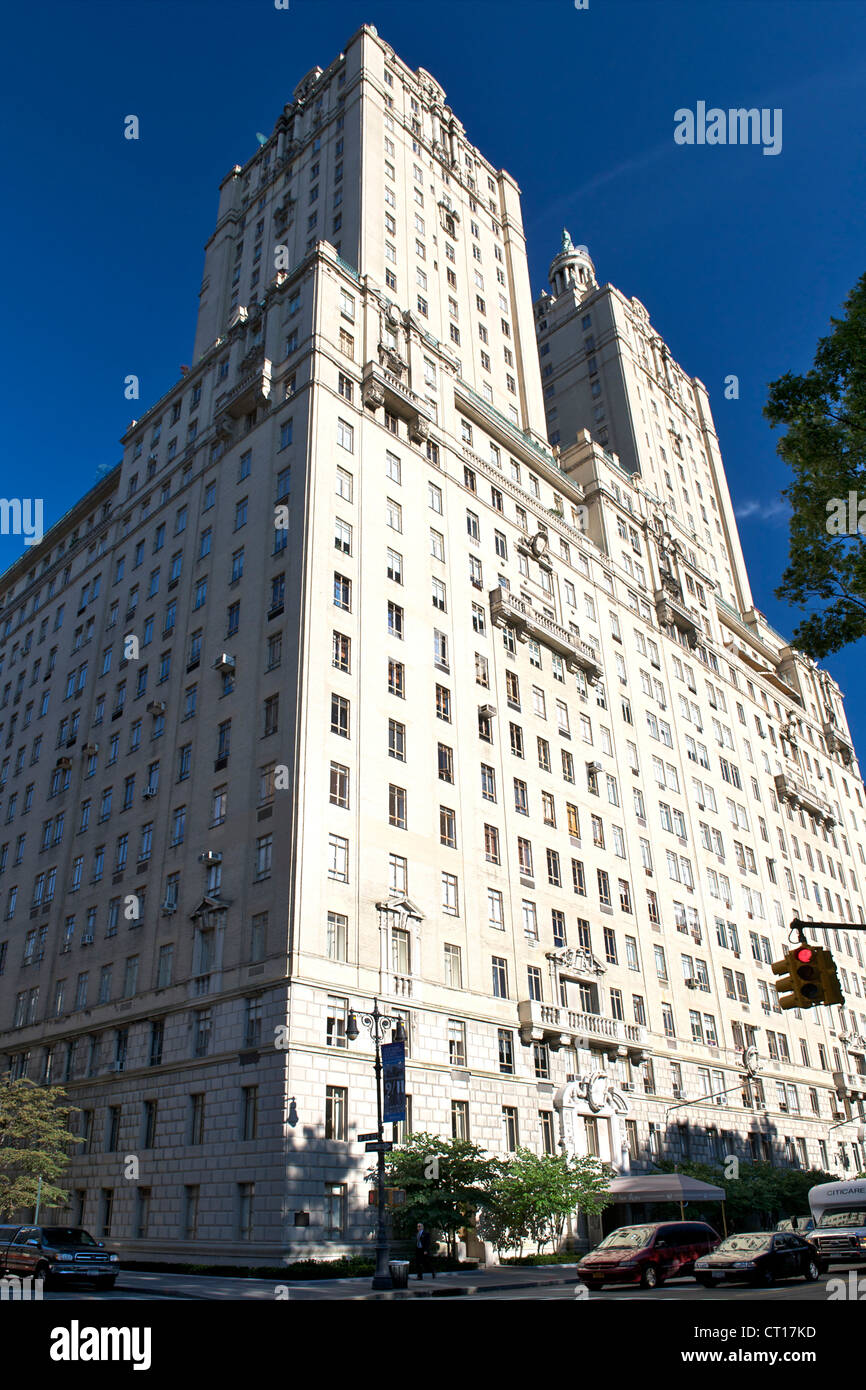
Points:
[[773, 509]]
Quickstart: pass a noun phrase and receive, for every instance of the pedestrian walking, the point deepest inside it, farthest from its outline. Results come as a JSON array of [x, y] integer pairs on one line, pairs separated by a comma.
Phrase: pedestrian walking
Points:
[[423, 1262]]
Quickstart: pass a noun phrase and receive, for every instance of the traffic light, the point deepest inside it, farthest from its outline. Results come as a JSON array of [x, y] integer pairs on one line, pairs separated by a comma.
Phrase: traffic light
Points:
[[831, 990], [807, 978], [799, 985]]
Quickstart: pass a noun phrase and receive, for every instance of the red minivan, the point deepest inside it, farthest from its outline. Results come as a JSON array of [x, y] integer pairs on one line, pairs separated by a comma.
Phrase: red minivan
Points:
[[648, 1254]]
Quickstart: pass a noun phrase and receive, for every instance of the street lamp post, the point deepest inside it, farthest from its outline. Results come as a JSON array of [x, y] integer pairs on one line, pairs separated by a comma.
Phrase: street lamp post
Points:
[[378, 1025]]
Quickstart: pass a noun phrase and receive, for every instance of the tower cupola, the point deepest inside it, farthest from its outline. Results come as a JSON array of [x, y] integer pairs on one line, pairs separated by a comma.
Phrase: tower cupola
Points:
[[572, 268]]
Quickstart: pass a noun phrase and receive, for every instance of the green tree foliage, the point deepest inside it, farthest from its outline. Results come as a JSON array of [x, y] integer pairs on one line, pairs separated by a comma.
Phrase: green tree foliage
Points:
[[760, 1195], [445, 1182], [34, 1143], [534, 1194], [449, 1182], [824, 416]]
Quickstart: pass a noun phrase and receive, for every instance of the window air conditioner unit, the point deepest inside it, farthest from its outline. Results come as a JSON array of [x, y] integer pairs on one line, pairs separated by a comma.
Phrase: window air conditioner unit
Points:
[[64, 763], [156, 707], [487, 711], [168, 906], [594, 767], [210, 857], [90, 748], [149, 792], [224, 663], [678, 1092], [691, 982]]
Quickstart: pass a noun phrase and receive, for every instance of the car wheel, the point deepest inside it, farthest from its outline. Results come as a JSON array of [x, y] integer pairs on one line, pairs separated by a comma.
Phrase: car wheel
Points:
[[43, 1272], [594, 1284], [764, 1280], [811, 1272], [706, 1281], [650, 1278]]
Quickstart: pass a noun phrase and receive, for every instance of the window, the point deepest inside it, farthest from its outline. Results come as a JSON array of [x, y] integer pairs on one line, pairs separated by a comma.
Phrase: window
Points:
[[339, 785], [450, 898], [337, 936], [341, 659], [453, 966], [340, 716], [336, 1015], [445, 758], [495, 917], [336, 1100], [338, 858], [396, 740], [460, 1119], [456, 1042], [397, 806], [396, 678], [342, 592]]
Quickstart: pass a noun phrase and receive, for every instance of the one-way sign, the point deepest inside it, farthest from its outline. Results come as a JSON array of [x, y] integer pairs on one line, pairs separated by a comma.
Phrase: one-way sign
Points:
[[363, 1138], [386, 1147]]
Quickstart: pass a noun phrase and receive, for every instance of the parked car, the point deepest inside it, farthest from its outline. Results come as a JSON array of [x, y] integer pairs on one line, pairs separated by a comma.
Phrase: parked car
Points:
[[759, 1257], [647, 1255], [56, 1253]]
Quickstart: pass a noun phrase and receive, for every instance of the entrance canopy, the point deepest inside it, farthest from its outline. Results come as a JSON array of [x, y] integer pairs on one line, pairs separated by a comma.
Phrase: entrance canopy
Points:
[[664, 1187]]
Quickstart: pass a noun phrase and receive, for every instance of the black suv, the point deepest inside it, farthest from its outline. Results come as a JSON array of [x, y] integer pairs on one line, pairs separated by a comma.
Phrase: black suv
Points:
[[56, 1253]]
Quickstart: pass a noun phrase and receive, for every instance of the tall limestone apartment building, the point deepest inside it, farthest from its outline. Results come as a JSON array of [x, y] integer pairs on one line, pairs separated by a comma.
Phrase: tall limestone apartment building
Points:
[[486, 727]]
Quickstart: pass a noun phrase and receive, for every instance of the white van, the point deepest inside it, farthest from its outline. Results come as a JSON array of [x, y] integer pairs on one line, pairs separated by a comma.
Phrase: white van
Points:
[[839, 1209]]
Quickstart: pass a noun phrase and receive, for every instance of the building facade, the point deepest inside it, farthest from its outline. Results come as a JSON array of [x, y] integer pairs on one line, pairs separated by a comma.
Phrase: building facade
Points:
[[409, 654]]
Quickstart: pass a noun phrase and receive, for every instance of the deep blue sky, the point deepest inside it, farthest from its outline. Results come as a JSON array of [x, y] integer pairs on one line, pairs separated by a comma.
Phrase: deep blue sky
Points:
[[740, 258]]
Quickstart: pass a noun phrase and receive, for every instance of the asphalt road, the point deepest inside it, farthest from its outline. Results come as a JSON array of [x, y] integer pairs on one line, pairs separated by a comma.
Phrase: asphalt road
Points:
[[510, 1284]]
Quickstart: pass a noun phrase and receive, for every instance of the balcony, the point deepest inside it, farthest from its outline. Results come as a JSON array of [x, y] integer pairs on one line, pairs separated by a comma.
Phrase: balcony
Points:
[[790, 787], [838, 743], [850, 1085], [380, 387], [507, 610], [252, 389], [559, 1027], [672, 612]]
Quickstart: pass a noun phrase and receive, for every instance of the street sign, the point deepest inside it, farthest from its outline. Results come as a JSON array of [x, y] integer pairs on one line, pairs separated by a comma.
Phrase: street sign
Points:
[[386, 1146], [394, 1081], [365, 1138]]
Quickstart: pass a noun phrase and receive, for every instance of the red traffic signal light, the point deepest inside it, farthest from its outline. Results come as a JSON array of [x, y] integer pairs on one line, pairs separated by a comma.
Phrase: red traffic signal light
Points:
[[808, 978], [807, 985]]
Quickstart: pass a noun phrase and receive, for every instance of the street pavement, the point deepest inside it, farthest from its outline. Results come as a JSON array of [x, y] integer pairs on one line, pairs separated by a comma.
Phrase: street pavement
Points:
[[547, 1282]]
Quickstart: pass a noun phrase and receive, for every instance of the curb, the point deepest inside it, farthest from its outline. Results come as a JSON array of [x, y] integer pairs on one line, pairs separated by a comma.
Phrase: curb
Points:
[[460, 1291]]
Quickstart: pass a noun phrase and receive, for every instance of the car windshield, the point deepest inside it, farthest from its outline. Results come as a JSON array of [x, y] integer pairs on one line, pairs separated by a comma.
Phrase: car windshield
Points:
[[749, 1243], [845, 1216], [628, 1238], [68, 1235]]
